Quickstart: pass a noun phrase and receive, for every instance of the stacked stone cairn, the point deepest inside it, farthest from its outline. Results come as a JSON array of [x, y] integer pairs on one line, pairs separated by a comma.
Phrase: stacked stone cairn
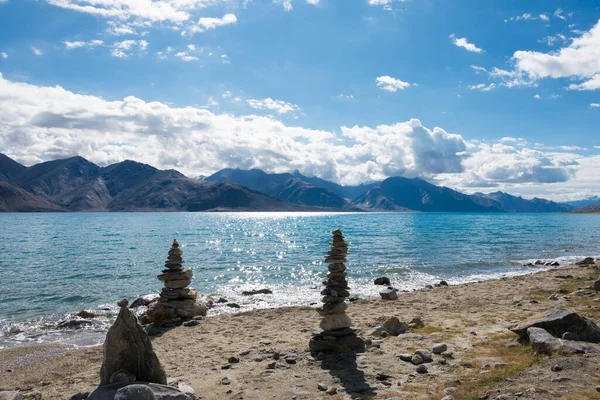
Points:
[[337, 336], [176, 299]]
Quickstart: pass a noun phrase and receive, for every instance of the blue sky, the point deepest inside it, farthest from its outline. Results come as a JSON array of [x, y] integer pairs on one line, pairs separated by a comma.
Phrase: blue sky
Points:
[[476, 95]]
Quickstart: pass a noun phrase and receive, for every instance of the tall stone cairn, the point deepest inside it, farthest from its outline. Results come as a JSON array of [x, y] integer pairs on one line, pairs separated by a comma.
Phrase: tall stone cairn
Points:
[[176, 299], [337, 336]]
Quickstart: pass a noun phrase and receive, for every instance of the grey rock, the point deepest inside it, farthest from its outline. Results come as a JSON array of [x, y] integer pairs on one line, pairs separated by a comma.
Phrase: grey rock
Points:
[[598, 388], [443, 283], [585, 262], [135, 392], [405, 357], [259, 291], [393, 326], [144, 300], [191, 323], [384, 281], [439, 348], [122, 376], [416, 359], [389, 294], [322, 387], [128, 347], [233, 305], [542, 342], [422, 369], [118, 390], [447, 398], [597, 285], [233, 360], [225, 381], [79, 396], [35, 395], [559, 321], [416, 323], [425, 355], [73, 323]]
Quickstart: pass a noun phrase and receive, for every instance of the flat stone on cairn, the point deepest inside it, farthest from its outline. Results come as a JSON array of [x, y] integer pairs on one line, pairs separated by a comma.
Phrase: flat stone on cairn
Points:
[[176, 299], [337, 336]]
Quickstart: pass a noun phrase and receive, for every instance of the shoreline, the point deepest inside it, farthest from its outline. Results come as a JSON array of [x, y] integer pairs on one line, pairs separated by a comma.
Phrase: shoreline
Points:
[[106, 312], [471, 318]]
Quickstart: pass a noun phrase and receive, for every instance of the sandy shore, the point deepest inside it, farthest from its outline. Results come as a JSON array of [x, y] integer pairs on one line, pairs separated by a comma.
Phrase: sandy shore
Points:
[[472, 319]]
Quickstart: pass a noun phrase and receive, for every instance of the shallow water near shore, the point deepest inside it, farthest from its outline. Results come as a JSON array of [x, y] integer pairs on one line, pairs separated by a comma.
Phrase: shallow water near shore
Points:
[[55, 264]]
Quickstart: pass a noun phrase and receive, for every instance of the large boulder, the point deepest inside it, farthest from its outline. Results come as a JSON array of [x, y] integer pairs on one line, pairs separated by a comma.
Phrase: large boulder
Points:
[[543, 342], [139, 391], [561, 322], [393, 327], [144, 300], [384, 281], [389, 294], [585, 262], [128, 347]]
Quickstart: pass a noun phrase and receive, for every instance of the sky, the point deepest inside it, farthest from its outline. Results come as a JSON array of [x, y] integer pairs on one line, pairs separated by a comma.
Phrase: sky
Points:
[[474, 95]]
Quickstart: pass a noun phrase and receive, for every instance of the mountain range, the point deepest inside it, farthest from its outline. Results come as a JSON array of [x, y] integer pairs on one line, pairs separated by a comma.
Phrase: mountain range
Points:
[[76, 184]]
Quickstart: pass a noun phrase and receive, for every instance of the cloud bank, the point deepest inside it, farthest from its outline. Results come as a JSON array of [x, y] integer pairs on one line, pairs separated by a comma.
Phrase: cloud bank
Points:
[[40, 123]]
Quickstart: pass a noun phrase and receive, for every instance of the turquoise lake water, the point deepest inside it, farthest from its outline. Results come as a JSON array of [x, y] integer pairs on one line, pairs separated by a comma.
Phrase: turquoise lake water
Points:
[[55, 264]]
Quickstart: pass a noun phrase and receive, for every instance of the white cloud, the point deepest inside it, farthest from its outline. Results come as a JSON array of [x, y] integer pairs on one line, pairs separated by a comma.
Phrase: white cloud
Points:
[[191, 47], [483, 87], [313, 2], [36, 51], [537, 97], [580, 60], [595, 105], [279, 106], [207, 23], [390, 84], [559, 14], [478, 69], [464, 43], [123, 49], [287, 4], [175, 11], [4, 55], [226, 94], [529, 17], [344, 96], [544, 17], [39, 123], [79, 44], [118, 29], [185, 56], [551, 40]]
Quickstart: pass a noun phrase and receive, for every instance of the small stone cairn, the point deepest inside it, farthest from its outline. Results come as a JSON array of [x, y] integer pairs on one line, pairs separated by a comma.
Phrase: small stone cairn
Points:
[[337, 336], [176, 300]]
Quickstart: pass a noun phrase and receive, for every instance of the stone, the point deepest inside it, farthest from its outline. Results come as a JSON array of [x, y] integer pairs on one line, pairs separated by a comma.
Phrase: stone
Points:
[[439, 348], [122, 376], [416, 359], [393, 326], [332, 308], [384, 281], [191, 323], [425, 355], [542, 342], [128, 347], [233, 305], [559, 321], [405, 357], [596, 285], [443, 283], [335, 321], [144, 300], [389, 294], [422, 369], [77, 396], [233, 360], [585, 262], [86, 314], [135, 392], [554, 264], [416, 323], [138, 391], [73, 324], [259, 291], [322, 387]]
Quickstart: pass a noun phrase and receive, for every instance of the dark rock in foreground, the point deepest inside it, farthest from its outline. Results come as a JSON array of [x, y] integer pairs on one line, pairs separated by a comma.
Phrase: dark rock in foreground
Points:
[[561, 323], [138, 391], [128, 347]]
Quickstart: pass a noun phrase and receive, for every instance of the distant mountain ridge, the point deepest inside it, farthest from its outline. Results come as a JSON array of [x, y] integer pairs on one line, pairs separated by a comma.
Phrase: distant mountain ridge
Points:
[[583, 203], [76, 184]]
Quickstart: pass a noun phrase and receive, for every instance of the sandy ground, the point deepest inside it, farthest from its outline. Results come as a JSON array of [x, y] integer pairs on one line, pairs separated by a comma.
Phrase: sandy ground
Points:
[[472, 319]]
